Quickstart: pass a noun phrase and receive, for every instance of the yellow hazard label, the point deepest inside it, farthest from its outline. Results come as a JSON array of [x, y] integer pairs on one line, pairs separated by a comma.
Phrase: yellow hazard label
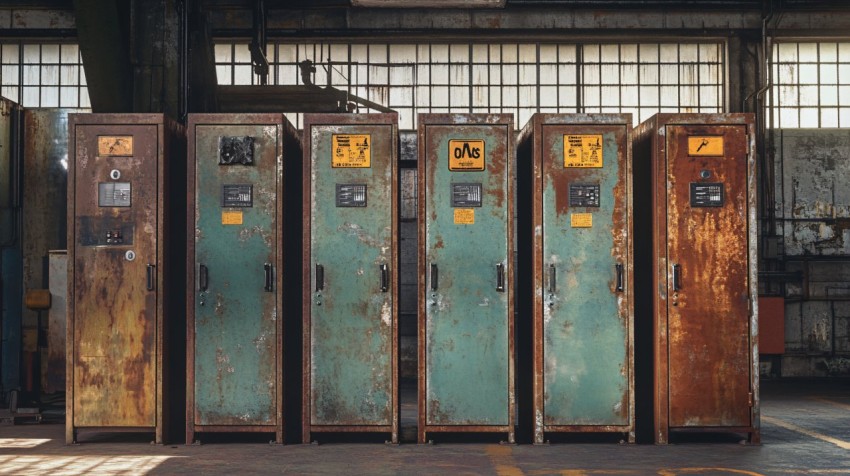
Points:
[[705, 145], [352, 151], [581, 220], [115, 145], [231, 217], [466, 154], [583, 151], [464, 216]]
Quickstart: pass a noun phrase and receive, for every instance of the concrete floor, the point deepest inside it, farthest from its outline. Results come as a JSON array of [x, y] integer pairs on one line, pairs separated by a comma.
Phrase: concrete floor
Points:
[[805, 430]]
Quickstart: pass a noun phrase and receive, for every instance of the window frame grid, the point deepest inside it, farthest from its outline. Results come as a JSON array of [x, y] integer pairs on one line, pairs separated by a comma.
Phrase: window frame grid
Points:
[[19, 89], [779, 103], [515, 67]]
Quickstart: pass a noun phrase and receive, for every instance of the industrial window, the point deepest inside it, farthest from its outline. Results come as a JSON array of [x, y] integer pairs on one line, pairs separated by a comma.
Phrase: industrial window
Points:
[[43, 75], [518, 78], [811, 85]]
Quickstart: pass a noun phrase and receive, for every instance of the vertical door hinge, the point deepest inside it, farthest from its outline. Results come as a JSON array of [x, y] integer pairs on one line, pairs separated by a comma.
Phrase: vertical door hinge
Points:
[[750, 399]]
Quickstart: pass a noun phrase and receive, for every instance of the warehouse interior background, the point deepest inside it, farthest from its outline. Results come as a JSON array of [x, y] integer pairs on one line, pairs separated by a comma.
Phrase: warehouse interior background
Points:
[[787, 61]]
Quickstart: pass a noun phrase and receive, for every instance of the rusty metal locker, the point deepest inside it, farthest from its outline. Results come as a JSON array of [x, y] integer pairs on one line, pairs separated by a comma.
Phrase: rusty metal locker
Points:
[[695, 184], [121, 274], [466, 312], [579, 169], [235, 274], [350, 282]]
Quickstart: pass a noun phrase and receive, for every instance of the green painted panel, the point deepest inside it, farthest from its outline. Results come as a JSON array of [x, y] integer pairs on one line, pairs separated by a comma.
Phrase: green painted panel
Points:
[[235, 320], [351, 318], [585, 332], [467, 324]]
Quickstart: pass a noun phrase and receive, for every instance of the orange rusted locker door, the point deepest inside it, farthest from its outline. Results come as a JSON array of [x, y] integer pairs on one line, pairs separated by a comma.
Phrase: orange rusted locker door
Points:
[[115, 303], [707, 283]]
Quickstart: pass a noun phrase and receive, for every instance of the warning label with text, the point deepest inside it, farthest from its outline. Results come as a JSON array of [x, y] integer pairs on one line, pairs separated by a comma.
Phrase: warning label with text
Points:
[[581, 220], [467, 154], [464, 216], [231, 217], [352, 151], [583, 150]]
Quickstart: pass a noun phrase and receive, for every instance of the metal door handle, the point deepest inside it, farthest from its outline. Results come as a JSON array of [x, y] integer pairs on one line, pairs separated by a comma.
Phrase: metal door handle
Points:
[[500, 277], [269, 287], [677, 285], [551, 278], [320, 277], [619, 277], [203, 278], [151, 283], [385, 278], [434, 276]]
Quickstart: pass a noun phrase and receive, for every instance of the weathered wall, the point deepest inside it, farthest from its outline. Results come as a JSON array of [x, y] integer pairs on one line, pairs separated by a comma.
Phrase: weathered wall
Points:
[[813, 220]]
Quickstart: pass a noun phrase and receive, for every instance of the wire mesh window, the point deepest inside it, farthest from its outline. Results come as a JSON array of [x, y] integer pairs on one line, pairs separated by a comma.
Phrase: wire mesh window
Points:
[[43, 75], [811, 85], [518, 78]]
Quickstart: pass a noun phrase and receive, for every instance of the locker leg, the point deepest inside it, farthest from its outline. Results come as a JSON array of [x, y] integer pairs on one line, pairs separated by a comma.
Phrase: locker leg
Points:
[[539, 437]]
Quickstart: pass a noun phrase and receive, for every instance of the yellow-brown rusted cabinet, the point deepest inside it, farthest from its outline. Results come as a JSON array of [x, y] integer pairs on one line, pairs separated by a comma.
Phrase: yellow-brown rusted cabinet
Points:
[[123, 264]]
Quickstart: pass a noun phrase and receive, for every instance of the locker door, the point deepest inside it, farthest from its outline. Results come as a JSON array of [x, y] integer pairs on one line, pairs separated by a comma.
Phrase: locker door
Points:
[[115, 300], [351, 325], [585, 253], [236, 241], [466, 246], [707, 285]]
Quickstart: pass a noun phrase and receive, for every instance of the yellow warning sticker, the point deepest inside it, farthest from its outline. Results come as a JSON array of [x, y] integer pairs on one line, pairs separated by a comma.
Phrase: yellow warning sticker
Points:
[[231, 217], [581, 220], [464, 216], [111, 146], [352, 151], [711, 146], [466, 154], [583, 151]]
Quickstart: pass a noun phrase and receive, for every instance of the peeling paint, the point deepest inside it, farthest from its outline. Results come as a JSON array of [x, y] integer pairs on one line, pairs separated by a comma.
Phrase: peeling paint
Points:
[[466, 373], [349, 324]]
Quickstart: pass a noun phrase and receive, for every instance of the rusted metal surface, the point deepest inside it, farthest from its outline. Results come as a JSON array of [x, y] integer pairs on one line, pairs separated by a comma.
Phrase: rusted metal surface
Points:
[[235, 276], [704, 281], [466, 302], [771, 325], [56, 320], [583, 312], [350, 280], [117, 288]]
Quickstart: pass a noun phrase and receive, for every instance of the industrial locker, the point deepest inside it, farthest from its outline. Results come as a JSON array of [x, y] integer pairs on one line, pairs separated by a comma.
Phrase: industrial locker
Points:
[[350, 285], [121, 279], [466, 321], [695, 187], [578, 167], [235, 282]]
